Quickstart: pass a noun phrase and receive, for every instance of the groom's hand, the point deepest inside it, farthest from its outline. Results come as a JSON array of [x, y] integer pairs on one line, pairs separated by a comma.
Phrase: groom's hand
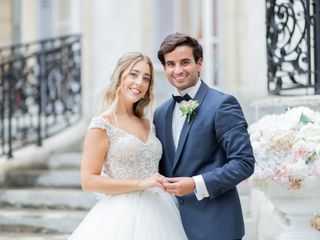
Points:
[[179, 186]]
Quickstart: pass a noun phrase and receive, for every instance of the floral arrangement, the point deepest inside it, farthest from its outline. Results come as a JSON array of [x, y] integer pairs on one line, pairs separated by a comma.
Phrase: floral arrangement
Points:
[[189, 108], [286, 147]]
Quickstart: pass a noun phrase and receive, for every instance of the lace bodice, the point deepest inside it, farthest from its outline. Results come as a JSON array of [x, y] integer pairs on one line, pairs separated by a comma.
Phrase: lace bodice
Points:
[[128, 157]]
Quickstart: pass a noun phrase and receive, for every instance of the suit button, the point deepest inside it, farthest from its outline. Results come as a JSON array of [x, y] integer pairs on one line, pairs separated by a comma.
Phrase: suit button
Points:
[[181, 201]]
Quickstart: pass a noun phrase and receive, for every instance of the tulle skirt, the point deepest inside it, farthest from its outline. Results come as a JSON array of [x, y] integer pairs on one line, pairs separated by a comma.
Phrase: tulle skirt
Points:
[[145, 215]]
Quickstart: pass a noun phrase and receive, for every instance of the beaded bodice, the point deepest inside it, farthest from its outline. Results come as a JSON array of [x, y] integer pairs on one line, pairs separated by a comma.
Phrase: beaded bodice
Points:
[[128, 157]]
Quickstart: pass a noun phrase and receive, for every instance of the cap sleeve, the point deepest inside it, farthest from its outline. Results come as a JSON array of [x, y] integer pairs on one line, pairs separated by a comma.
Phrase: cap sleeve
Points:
[[99, 122]]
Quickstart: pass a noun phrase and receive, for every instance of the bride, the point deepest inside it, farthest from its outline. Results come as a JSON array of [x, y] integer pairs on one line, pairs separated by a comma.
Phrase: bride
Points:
[[120, 161]]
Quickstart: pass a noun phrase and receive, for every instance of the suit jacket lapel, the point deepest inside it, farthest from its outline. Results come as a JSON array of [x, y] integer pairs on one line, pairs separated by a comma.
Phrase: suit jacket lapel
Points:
[[168, 128], [186, 126]]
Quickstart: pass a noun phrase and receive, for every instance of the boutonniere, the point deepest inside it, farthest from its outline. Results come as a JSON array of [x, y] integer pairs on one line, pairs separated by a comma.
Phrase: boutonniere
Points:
[[189, 108]]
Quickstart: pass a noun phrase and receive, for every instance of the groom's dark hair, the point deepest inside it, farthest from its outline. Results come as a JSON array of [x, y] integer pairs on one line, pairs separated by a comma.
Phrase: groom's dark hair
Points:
[[179, 39]]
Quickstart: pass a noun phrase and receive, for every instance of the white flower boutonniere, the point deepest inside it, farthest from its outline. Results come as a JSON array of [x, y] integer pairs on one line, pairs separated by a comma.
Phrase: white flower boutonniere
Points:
[[189, 108]]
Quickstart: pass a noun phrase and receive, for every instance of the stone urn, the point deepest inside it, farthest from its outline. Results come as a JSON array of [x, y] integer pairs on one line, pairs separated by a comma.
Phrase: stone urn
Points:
[[299, 205]]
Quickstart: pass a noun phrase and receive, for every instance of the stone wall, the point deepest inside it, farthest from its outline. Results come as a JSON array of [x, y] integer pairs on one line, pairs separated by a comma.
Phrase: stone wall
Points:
[[6, 23]]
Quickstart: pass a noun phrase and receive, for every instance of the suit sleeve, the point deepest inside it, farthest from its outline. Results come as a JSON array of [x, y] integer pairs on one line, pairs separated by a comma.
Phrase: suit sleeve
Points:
[[232, 135]]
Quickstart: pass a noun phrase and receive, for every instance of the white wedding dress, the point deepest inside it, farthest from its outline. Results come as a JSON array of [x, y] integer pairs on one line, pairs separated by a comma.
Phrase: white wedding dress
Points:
[[144, 215]]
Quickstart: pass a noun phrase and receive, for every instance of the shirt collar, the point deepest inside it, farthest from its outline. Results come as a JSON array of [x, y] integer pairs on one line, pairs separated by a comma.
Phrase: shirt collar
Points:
[[191, 90]]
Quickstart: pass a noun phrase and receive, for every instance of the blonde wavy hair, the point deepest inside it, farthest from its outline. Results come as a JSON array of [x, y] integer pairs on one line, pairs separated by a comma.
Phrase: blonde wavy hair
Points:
[[111, 97]]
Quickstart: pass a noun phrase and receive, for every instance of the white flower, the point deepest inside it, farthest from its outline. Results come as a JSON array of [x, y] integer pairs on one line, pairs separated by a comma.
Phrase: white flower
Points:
[[310, 132], [189, 108], [299, 170], [287, 147]]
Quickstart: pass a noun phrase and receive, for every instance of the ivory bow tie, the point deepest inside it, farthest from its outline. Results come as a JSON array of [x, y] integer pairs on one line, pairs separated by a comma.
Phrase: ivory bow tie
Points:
[[185, 97]]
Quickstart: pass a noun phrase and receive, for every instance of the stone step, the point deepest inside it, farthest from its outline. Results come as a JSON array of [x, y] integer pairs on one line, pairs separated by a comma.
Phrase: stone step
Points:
[[47, 198], [40, 221], [64, 161], [32, 236], [44, 178]]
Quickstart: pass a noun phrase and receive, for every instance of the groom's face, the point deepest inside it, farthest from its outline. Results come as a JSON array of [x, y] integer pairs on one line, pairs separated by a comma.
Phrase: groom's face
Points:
[[181, 69]]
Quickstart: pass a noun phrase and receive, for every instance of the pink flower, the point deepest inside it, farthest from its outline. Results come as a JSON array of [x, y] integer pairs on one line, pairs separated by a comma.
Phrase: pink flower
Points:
[[287, 147]]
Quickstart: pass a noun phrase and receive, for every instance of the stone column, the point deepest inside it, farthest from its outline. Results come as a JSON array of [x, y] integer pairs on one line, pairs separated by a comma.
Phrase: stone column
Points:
[[29, 21], [244, 49], [111, 28], [208, 42], [6, 23]]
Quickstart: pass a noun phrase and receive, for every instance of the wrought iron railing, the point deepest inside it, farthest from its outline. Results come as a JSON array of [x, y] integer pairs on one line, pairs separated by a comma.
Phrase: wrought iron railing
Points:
[[293, 46], [40, 90]]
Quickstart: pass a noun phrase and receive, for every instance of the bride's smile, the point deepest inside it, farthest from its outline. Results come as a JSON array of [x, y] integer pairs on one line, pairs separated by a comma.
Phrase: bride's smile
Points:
[[135, 82]]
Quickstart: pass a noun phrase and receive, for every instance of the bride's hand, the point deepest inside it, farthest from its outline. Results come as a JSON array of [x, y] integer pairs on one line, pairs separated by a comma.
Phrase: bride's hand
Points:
[[155, 180]]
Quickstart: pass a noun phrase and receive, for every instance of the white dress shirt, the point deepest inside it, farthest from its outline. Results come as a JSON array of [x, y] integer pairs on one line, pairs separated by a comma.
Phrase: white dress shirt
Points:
[[178, 120]]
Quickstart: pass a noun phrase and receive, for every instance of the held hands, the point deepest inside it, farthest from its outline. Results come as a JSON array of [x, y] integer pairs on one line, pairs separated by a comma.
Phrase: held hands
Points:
[[156, 180], [179, 186]]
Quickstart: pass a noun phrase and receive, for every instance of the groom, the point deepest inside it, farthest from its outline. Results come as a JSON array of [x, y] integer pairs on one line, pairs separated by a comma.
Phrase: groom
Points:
[[207, 151]]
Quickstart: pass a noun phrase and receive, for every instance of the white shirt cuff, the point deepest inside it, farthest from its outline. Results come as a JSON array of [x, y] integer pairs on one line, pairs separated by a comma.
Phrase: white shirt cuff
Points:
[[201, 190]]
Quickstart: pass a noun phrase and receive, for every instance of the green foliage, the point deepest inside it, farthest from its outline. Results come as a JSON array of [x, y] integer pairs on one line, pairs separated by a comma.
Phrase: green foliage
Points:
[[304, 119]]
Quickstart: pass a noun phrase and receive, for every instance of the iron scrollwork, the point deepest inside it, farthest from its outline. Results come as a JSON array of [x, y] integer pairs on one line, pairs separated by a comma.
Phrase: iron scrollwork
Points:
[[40, 90], [290, 45]]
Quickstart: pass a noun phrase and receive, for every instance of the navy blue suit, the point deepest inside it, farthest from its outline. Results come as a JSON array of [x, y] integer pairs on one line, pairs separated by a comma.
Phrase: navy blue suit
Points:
[[216, 145]]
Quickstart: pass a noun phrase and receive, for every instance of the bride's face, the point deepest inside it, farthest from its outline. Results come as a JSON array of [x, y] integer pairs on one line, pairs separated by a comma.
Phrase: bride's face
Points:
[[135, 82]]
